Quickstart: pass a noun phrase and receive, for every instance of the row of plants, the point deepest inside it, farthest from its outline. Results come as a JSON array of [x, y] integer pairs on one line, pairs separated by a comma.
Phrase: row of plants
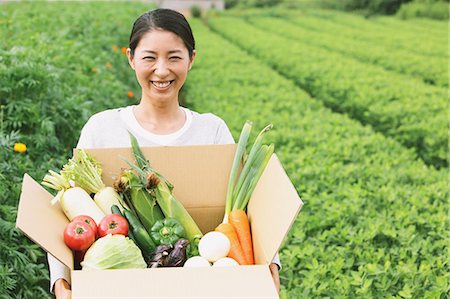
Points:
[[373, 223], [423, 26], [60, 63], [395, 35], [405, 109], [437, 10], [433, 70]]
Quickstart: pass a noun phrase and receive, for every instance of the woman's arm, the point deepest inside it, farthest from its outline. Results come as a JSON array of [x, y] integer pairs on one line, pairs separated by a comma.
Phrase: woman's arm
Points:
[[62, 289], [276, 278]]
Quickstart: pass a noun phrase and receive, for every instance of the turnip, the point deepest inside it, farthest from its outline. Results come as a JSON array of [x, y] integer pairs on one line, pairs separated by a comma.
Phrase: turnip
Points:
[[226, 262], [197, 261], [213, 246]]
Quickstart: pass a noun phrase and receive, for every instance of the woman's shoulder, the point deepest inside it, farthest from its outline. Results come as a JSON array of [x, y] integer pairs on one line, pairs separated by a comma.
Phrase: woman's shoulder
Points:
[[210, 129], [109, 114], [207, 118]]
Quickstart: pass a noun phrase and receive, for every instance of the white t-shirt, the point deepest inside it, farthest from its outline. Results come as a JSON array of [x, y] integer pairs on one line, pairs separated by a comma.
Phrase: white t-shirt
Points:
[[111, 128]]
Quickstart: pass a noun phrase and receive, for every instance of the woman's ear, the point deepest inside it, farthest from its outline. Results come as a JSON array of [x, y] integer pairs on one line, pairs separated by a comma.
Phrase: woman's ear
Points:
[[130, 58], [194, 53]]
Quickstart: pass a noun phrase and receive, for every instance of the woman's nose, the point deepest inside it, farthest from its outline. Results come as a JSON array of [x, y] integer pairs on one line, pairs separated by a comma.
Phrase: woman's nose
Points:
[[161, 69]]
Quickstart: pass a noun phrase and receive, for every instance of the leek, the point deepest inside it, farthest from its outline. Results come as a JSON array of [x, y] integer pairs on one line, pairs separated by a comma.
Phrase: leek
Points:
[[240, 151], [240, 187], [86, 172]]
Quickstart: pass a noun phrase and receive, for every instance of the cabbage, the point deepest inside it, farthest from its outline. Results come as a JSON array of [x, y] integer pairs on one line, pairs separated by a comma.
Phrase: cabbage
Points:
[[113, 252]]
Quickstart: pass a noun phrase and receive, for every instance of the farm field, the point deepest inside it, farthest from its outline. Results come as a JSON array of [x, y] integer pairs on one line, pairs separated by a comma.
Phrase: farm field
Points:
[[360, 118]]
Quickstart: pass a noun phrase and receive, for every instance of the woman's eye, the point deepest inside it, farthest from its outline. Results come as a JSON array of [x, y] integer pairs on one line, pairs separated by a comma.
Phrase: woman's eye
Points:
[[149, 58], [174, 58]]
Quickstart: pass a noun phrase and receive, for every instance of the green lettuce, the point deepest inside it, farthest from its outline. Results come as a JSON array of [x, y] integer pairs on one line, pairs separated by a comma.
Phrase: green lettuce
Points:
[[113, 252]]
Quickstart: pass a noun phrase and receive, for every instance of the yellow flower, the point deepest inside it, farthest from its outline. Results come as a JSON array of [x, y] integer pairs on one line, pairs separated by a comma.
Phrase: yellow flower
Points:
[[20, 147]]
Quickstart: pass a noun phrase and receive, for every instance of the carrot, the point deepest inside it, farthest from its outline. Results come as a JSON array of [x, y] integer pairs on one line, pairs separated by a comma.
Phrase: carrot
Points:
[[236, 251], [239, 220]]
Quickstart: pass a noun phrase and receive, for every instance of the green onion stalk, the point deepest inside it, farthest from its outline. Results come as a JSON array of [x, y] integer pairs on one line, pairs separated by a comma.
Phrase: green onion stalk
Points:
[[86, 173], [241, 187], [161, 189]]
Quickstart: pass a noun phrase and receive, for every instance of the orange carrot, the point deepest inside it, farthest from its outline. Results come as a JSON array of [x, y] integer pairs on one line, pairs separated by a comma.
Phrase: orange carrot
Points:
[[238, 218], [236, 251]]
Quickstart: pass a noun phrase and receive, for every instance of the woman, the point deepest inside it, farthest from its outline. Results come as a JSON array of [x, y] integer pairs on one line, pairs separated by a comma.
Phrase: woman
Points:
[[161, 52]]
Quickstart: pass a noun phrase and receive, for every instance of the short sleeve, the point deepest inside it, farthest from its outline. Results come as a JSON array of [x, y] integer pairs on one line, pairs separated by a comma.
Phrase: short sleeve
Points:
[[86, 139], [223, 135]]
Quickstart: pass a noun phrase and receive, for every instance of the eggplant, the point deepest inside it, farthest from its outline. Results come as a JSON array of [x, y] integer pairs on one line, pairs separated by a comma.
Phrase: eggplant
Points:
[[177, 257], [160, 256]]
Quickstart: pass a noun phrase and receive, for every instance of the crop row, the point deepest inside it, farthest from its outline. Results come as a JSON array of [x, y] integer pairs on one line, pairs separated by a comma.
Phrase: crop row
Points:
[[431, 70], [396, 35], [405, 109], [60, 63], [373, 224]]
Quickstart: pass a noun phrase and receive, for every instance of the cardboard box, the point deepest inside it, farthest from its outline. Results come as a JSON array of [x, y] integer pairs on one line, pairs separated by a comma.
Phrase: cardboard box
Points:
[[200, 176]]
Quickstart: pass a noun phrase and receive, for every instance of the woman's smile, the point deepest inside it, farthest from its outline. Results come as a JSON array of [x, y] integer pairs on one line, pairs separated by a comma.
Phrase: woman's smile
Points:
[[162, 85]]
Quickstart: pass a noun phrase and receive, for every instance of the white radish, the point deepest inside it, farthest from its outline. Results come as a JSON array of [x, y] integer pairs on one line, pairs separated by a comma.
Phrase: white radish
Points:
[[75, 201], [213, 246], [106, 198]]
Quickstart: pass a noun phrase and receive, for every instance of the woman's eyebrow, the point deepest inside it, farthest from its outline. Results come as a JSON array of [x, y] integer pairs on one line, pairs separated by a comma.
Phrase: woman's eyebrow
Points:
[[170, 52]]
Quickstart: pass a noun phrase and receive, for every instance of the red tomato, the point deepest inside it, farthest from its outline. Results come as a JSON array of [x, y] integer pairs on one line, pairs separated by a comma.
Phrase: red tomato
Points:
[[113, 224], [88, 220], [79, 235]]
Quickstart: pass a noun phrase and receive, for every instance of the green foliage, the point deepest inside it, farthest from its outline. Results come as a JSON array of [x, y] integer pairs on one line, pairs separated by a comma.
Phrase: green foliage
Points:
[[368, 93], [367, 6], [196, 11], [251, 3], [433, 70], [438, 10]]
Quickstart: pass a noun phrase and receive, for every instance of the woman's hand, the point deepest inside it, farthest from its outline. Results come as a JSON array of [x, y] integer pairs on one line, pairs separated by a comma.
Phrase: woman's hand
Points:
[[276, 278], [62, 289]]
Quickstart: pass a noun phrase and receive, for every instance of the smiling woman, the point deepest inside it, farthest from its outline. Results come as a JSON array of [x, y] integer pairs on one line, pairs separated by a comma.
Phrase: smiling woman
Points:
[[161, 53]]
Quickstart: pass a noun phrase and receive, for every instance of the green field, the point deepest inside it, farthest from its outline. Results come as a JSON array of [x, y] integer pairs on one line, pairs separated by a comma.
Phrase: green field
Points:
[[360, 116]]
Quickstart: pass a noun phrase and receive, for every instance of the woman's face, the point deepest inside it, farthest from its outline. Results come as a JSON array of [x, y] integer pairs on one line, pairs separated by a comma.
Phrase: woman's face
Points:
[[161, 62]]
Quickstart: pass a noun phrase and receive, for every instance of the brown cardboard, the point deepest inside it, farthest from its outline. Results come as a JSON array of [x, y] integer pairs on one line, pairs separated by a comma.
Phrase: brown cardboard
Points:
[[43, 223], [273, 207], [200, 176], [206, 283]]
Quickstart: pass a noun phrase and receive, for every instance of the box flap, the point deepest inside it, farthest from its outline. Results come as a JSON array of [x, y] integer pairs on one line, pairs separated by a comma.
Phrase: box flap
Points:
[[43, 223], [181, 283], [274, 205], [197, 173]]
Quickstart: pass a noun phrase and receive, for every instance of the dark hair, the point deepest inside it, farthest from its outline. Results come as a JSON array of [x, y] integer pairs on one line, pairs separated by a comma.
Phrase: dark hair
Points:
[[165, 19]]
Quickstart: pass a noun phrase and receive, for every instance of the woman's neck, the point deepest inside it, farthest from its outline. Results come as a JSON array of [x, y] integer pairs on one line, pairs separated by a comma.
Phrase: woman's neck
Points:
[[163, 119]]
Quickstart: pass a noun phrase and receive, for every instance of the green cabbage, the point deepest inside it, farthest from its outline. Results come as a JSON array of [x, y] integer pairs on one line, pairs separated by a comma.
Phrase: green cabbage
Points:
[[113, 252]]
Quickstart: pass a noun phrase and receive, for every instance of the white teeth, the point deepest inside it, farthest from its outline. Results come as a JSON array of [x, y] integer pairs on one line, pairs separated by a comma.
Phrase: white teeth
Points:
[[161, 84]]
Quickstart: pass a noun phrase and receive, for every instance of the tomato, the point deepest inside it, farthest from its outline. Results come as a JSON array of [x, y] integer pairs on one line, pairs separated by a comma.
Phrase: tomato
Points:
[[79, 235], [113, 224], [88, 220]]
